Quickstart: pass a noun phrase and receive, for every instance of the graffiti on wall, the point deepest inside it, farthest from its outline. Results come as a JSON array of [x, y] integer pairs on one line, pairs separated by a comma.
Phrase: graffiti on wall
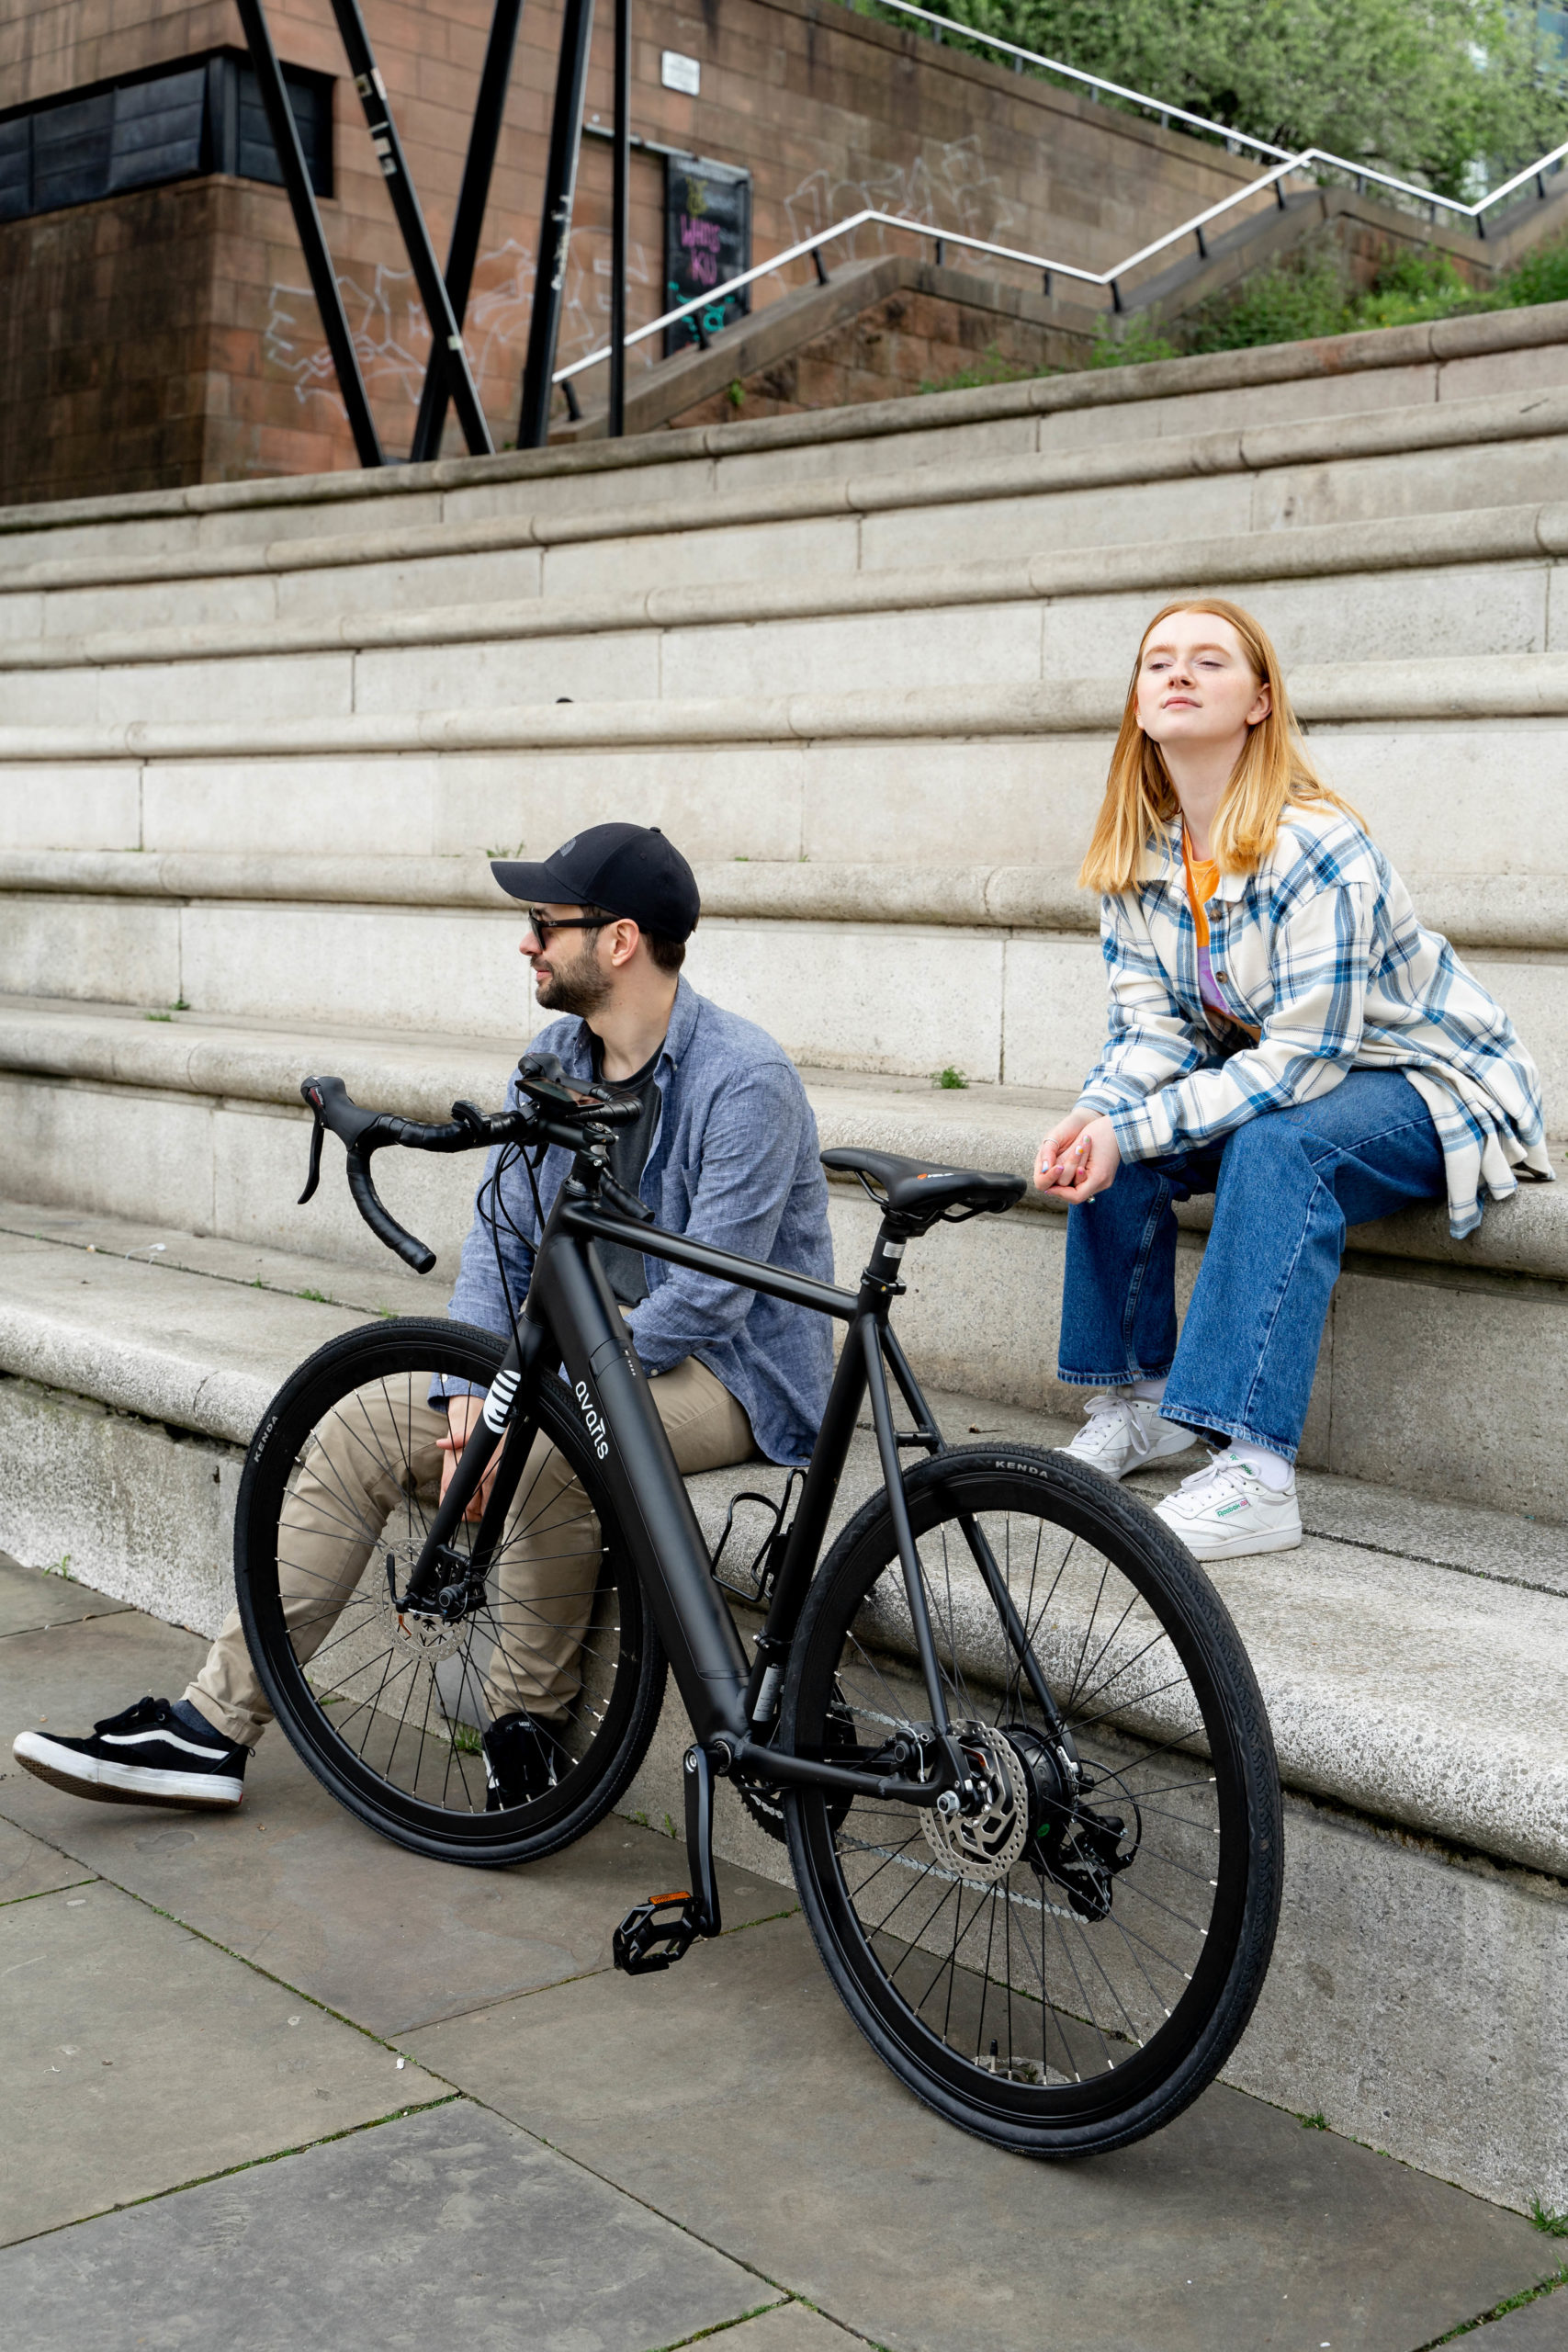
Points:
[[391, 329], [947, 186]]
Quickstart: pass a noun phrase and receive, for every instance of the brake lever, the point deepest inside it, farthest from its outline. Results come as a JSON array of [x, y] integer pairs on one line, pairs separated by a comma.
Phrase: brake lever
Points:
[[318, 1129]]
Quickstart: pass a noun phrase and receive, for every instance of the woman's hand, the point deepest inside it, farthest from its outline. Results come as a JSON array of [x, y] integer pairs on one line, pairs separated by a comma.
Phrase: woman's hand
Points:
[[462, 1412], [1078, 1158], [1055, 1163]]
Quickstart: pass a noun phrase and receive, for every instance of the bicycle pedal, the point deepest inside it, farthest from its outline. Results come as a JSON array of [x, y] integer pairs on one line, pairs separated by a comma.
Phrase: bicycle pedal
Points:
[[655, 1934]]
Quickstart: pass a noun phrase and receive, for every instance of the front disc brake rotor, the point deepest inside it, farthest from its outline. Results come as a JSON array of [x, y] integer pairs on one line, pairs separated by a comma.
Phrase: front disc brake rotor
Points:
[[414, 1631], [984, 1845]]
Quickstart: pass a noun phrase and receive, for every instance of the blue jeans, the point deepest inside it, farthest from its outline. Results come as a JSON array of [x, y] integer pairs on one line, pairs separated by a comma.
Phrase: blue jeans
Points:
[[1285, 1186]]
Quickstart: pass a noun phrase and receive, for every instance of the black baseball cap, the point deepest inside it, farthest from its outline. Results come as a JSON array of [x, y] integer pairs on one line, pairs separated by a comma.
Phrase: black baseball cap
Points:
[[631, 870]]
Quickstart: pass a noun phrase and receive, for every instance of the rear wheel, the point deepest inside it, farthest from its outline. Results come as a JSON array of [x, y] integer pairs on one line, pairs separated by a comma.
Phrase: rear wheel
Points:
[[1064, 1972], [389, 1712]]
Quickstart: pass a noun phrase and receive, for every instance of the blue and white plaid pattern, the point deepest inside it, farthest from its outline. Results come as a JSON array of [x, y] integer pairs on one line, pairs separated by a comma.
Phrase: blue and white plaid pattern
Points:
[[1319, 950]]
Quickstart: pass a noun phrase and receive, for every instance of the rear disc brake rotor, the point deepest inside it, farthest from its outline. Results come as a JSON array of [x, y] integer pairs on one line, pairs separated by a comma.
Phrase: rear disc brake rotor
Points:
[[984, 1845]]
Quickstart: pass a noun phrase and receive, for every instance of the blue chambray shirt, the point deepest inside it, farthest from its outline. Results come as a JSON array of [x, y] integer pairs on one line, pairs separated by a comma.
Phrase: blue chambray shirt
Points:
[[734, 1161]]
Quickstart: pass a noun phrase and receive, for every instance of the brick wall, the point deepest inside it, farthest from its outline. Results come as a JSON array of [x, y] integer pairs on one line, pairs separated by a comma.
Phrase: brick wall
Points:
[[829, 112]]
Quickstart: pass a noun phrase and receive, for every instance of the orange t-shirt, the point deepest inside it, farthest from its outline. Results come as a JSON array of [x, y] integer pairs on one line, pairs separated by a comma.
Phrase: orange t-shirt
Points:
[[1202, 881]]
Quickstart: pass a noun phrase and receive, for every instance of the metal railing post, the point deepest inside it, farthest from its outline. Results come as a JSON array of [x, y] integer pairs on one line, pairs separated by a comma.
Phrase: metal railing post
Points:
[[467, 223], [308, 225], [555, 225], [620, 205]]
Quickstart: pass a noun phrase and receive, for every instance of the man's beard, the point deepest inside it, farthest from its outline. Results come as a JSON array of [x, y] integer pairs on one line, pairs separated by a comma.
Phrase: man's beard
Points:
[[579, 987]]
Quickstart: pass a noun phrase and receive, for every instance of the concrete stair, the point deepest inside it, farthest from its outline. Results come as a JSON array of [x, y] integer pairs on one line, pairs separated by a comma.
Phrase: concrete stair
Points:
[[255, 741]]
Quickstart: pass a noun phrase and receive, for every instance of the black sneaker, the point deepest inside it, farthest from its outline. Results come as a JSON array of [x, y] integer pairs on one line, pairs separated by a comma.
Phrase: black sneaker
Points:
[[520, 1761], [146, 1755]]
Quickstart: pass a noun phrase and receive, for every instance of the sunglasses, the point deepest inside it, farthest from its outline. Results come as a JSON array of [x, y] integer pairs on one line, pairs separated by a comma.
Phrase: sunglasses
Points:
[[541, 924]]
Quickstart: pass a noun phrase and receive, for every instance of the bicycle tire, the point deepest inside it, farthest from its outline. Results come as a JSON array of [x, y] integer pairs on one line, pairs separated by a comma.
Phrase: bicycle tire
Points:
[[1077, 2078], [363, 1759]]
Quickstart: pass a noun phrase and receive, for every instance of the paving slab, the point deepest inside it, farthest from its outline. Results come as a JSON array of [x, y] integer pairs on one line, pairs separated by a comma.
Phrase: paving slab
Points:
[[32, 1599], [1541, 2326], [296, 1884], [28, 1866], [446, 2227], [734, 2095], [137, 2057]]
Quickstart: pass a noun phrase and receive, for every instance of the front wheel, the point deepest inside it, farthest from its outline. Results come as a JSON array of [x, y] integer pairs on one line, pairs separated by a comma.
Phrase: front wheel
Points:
[[390, 1710], [1065, 1971]]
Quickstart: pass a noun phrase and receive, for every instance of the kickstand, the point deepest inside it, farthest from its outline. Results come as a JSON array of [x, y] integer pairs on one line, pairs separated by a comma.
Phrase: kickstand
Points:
[[657, 1933]]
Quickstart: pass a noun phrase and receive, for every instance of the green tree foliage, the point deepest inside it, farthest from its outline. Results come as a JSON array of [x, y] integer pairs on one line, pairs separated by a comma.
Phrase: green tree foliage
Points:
[[1434, 90]]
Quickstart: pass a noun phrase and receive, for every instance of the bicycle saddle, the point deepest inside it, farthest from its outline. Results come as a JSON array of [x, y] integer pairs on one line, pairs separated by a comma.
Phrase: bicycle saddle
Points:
[[915, 1194]]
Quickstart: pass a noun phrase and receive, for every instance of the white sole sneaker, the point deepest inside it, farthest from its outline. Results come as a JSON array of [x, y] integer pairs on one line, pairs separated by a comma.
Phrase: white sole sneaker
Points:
[[1234, 1547], [1227, 1513], [113, 1783], [1126, 1433]]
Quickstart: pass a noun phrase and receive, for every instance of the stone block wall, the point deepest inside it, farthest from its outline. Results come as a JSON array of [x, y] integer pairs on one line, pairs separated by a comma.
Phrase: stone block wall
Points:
[[202, 289]]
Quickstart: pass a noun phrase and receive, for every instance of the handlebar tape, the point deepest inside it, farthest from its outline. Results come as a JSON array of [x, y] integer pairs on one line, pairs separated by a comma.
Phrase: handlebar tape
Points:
[[362, 1133], [379, 1217]]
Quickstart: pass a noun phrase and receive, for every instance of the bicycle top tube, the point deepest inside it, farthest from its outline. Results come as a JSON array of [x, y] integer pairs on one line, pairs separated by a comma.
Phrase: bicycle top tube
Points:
[[579, 1117]]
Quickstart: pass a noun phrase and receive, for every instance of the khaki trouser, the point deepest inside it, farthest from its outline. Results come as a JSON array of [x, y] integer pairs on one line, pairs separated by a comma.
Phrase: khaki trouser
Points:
[[368, 1450]]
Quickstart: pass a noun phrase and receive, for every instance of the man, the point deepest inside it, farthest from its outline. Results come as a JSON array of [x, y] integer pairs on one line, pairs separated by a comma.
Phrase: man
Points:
[[726, 1149]]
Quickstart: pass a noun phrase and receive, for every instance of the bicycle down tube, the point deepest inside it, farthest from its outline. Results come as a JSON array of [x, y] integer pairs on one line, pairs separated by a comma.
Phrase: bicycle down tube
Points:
[[570, 1322]]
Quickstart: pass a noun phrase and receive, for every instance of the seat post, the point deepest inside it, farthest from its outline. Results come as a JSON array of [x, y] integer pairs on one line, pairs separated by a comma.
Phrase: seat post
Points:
[[879, 1282]]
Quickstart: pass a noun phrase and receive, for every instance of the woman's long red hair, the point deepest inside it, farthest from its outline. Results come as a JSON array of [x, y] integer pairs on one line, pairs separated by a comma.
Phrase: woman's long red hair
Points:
[[1272, 772]]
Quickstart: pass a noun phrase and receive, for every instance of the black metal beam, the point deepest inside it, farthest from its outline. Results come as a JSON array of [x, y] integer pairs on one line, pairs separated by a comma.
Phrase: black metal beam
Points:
[[620, 203], [307, 226], [411, 221], [469, 223], [555, 224]]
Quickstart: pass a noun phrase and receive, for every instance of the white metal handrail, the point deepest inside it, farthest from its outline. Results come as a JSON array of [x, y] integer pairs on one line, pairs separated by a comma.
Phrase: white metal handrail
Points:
[[1111, 278], [1220, 129]]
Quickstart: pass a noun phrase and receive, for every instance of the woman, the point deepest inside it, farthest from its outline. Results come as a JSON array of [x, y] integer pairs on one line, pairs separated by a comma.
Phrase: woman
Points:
[[1284, 1035]]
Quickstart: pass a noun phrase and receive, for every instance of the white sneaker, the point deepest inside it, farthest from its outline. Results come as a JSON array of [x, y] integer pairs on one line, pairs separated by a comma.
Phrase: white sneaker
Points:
[[1125, 1432], [1226, 1513]]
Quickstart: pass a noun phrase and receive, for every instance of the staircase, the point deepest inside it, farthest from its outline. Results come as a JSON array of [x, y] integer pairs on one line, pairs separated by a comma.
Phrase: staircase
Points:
[[863, 667]]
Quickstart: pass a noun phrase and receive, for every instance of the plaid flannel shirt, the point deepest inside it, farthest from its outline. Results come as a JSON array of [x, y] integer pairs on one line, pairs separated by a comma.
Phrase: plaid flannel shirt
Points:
[[1321, 952]]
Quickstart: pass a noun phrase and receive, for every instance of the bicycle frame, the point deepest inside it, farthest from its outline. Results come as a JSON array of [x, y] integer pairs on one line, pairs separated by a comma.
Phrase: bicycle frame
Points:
[[571, 1323]]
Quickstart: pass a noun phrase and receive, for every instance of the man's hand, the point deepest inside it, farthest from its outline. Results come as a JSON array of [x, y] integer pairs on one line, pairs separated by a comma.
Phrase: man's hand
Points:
[[1078, 1158], [462, 1413]]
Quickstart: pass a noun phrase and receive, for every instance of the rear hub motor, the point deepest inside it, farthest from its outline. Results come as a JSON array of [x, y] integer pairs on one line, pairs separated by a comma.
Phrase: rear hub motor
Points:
[[984, 1845]]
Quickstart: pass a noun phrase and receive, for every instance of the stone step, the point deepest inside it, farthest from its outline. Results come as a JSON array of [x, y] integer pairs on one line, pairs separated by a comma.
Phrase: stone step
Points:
[[1444, 1363], [1475, 584], [1430, 366], [1005, 1001], [1414, 1659], [868, 776], [1408, 469]]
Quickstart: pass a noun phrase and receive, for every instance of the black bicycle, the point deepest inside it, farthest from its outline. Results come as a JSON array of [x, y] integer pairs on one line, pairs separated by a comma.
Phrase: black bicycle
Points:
[[1006, 1726]]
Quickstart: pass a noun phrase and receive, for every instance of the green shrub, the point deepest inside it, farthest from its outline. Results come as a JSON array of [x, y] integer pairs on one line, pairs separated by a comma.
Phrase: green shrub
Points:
[[1284, 303], [1133, 347], [990, 368], [1541, 277]]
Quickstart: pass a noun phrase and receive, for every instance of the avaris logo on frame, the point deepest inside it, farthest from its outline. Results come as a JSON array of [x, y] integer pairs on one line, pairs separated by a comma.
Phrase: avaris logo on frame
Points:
[[593, 1420]]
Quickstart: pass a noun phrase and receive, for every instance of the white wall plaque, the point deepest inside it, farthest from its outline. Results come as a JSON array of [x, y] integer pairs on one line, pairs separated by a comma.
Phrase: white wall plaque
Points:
[[678, 73]]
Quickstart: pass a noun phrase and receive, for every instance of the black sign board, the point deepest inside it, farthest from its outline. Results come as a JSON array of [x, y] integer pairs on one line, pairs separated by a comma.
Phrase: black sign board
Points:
[[707, 239]]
